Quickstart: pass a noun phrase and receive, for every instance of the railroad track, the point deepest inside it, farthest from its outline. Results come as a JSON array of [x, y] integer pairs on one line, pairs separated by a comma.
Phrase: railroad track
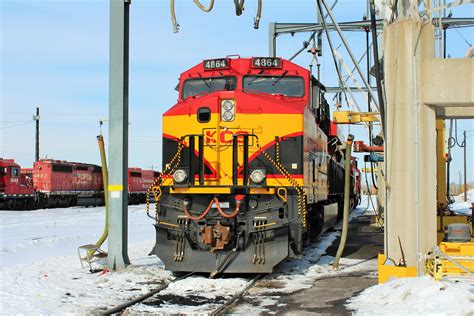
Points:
[[218, 311]]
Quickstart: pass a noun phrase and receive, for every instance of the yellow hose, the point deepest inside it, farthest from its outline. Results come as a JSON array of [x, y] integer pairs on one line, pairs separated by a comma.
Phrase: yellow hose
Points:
[[173, 17], [347, 186], [105, 176], [203, 8]]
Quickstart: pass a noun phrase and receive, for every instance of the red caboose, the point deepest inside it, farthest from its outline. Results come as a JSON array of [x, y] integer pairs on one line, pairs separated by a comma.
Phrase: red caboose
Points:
[[16, 190]]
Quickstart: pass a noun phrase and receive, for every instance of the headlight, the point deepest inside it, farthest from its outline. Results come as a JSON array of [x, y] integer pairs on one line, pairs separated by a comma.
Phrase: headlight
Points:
[[227, 105], [180, 176], [227, 116], [257, 176], [227, 110]]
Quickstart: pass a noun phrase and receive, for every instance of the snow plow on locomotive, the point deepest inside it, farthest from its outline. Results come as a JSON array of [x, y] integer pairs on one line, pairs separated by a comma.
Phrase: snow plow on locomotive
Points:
[[247, 170]]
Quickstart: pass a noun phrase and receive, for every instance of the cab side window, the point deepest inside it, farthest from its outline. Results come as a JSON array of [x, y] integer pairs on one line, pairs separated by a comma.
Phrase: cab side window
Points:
[[15, 172], [3, 171]]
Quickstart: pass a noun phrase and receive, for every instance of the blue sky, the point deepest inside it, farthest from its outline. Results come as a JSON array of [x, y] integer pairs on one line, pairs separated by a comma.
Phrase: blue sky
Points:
[[54, 54]]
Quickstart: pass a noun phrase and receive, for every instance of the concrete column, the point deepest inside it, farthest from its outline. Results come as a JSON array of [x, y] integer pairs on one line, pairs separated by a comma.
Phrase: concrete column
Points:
[[410, 144]]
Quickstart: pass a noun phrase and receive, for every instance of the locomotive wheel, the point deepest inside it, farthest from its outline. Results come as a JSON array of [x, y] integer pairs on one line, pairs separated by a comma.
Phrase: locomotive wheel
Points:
[[316, 221], [340, 209]]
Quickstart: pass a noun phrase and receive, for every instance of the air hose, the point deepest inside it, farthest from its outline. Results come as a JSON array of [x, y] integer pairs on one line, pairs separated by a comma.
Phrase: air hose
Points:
[[347, 186], [239, 7], [105, 176], [256, 21], [203, 8], [173, 17]]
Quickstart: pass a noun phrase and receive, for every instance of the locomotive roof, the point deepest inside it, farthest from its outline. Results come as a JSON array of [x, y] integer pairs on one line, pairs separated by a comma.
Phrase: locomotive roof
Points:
[[241, 66], [8, 163]]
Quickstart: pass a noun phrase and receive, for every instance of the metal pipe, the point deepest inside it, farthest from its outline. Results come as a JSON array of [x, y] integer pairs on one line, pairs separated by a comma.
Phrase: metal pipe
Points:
[[349, 51], [331, 47], [465, 168], [201, 160], [347, 187], [37, 139], [191, 158], [305, 45], [376, 66], [368, 79], [235, 158], [246, 160], [448, 163]]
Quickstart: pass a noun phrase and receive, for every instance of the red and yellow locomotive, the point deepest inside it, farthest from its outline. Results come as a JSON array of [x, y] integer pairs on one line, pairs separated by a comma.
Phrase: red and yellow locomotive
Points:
[[248, 175]]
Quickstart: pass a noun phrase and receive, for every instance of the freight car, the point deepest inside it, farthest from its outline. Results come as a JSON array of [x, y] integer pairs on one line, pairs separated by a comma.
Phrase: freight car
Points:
[[252, 167], [56, 183]]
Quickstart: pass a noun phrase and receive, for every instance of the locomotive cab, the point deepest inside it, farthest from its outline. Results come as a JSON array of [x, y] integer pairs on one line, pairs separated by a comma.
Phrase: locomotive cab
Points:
[[16, 190]]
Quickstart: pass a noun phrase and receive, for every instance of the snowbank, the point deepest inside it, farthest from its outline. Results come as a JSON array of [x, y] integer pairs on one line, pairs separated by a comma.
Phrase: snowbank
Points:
[[410, 296], [461, 207]]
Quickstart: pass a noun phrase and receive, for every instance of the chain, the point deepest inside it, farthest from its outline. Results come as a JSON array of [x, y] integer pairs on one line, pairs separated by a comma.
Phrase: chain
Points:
[[289, 177], [155, 188]]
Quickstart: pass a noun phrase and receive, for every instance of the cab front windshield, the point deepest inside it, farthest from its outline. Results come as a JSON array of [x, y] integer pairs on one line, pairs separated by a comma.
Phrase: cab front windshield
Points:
[[192, 87], [288, 86]]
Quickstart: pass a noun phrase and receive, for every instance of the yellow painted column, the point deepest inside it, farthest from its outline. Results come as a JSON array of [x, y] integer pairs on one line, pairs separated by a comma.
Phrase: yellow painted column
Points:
[[441, 163]]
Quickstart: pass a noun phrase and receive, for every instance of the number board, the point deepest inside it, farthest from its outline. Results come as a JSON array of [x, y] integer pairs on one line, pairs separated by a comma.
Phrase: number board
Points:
[[215, 64], [266, 62]]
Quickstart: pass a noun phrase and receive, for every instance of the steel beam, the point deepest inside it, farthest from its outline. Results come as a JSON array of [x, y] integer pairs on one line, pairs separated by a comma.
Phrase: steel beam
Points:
[[290, 28], [118, 134], [272, 39], [352, 89]]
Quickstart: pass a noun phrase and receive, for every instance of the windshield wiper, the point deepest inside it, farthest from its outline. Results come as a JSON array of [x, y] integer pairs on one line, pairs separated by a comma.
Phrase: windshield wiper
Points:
[[208, 85], [279, 78], [259, 75]]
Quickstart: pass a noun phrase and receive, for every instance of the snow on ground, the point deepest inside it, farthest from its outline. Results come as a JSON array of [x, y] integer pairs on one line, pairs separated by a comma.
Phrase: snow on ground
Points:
[[461, 207], [40, 269], [41, 274], [416, 296], [29, 236], [39, 265], [422, 295]]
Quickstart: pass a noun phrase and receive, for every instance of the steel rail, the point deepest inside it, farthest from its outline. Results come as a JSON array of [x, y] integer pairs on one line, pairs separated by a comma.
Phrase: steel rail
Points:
[[221, 310], [143, 297]]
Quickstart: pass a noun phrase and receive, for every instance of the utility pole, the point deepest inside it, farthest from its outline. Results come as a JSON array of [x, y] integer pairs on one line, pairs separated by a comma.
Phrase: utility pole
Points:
[[460, 182], [465, 168], [37, 134], [118, 133]]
